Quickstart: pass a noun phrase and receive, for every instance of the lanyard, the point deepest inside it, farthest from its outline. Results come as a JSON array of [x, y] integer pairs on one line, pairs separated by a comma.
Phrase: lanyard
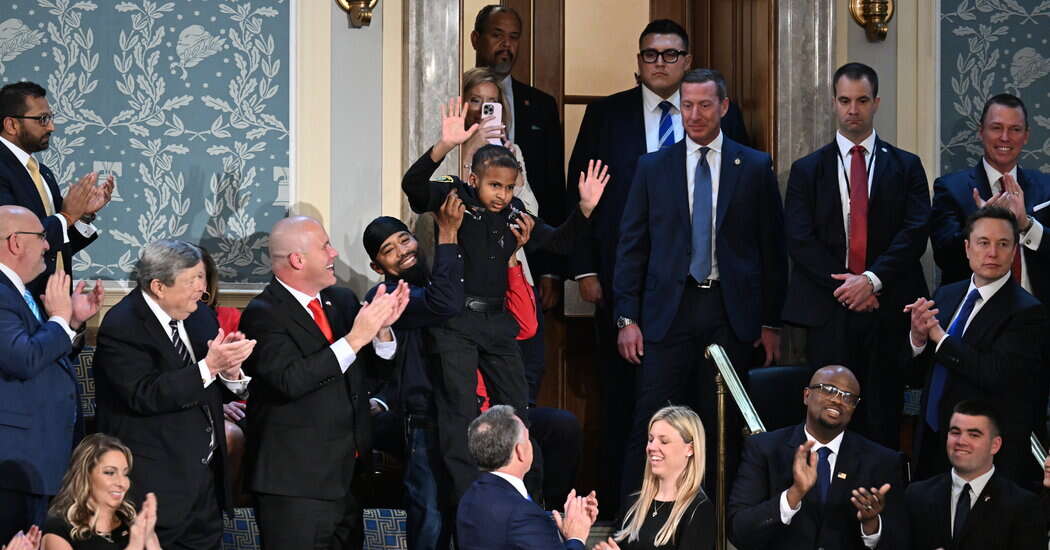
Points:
[[845, 173]]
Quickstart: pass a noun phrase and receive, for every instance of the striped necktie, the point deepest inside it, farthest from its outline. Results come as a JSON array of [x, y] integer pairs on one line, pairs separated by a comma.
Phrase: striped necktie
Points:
[[187, 361], [666, 135]]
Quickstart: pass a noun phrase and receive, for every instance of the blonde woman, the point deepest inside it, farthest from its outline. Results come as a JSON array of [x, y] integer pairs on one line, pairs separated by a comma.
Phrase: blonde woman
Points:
[[90, 511], [671, 510]]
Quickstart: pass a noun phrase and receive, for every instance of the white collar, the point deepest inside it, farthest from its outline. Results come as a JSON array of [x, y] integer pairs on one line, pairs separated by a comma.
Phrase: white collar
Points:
[[845, 144], [834, 444], [976, 485], [158, 311], [715, 145], [515, 482], [301, 297], [993, 174], [19, 153], [19, 285], [988, 290], [651, 100]]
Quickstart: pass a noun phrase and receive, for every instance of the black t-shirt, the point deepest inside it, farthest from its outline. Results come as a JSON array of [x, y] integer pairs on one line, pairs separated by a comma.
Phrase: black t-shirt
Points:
[[59, 527], [696, 530]]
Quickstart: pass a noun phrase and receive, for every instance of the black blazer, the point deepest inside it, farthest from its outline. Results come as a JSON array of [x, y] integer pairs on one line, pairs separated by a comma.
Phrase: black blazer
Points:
[[997, 360], [656, 241], [766, 472], [898, 227], [953, 203], [17, 187], [1004, 517], [493, 514], [307, 420], [155, 405], [613, 131]]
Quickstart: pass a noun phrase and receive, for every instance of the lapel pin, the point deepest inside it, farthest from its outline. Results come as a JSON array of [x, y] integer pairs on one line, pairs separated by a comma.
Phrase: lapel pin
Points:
[[327, 303], [987, 498], [527, 103], [842, 475], [737, 162], [884, 150]]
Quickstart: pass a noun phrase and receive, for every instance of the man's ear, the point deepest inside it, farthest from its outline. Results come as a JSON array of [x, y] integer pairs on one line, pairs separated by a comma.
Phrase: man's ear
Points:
[[375, 267], [474, 36], [156, 287]]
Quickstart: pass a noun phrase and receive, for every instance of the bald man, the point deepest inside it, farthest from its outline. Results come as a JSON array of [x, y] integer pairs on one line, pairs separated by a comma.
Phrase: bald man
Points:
[[816, 484], [308, 415], [38, 391]]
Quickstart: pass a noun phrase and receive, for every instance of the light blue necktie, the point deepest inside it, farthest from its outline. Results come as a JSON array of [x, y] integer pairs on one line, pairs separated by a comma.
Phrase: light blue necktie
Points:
[[28, 297], [666, 134], [940, 373], [700, 266]]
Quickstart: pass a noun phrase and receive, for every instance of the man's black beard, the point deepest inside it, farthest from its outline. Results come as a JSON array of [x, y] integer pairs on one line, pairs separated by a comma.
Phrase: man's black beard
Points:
[[417, 275]]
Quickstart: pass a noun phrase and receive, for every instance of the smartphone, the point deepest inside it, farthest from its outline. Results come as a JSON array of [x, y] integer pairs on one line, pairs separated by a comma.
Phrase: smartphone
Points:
[[494, 110]]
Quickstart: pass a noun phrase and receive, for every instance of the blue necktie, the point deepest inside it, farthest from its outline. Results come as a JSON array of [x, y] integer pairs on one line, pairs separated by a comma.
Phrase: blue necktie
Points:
[[666, 135], [940, 374], [28, 297], [700, 266], [823, 473]]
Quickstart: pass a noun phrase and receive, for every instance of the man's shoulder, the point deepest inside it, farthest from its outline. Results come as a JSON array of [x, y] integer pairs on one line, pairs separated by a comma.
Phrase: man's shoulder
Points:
[[812, 160], [534, 93], [870, 451], [956, 180], [618, 103], [925, 490], [123, 310], [770, 441], [885, 147], [749, 155]]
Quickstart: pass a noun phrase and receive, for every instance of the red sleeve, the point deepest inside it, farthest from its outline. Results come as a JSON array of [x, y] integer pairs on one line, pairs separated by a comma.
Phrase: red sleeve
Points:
[[521, 303]]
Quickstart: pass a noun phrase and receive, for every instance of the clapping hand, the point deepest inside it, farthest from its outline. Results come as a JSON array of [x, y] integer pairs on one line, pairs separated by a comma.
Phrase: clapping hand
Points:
[[401, 296], [226, 352], [924, 322], [804, 472], [592, 185], [142, 535], [577, 521], [869, 504], [370, 318], [56, 298], [85, 304], [25, 541]]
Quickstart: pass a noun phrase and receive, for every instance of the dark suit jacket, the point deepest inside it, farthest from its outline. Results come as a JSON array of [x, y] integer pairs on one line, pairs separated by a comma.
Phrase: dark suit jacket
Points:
[[766, 472], [613, 131], [38, 398], [17, 187], [996, 360], [953, 203], [1004, 517], [155, 405], [898, 226], [493, 514], [656, 241], [306, 419]]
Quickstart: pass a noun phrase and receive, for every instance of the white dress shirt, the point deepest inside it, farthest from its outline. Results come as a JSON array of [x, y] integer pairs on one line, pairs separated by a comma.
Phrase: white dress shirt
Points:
[[507, 86], [986, 292], [845, 165], [651, 114], [341, 348], [1030, 239], [787, 513], [976, 487], [85, 229], [714, 161], [21, 288]]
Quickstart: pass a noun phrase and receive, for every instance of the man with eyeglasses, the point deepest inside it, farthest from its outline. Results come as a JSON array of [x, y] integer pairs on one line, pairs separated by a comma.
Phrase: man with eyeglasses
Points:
[[981, 338], [817, 485], [619, 129], [26, 124], [39, 405]]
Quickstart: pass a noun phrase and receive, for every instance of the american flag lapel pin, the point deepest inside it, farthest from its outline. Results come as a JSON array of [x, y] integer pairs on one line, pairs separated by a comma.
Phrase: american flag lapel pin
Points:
[[842, 475], [737, 162]]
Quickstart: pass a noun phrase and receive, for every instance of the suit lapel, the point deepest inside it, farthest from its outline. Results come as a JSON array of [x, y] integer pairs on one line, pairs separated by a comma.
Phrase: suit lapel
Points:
[[979, 179], [883, 165], [831, 163], [295, 311], [844, 475], [951, 300], [25, 190], [994, 311], [680, 184], [159, 333], [635, 125], [729, 173]]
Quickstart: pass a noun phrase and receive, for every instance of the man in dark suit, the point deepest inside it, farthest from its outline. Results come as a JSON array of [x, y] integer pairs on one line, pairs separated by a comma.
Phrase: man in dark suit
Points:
[[983, 338], [26, 123], [618, 130], [162, 368], [818, 485], [38, 391], [856, 217], [701, 260], [496, 512], [308, 416], [974, 506]]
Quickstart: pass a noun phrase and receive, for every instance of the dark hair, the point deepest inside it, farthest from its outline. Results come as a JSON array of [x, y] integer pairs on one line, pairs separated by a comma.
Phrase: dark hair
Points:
[[493, 155], [489, 11], [1006, 100], [995, 213], [857, 71], [13, 98], [664, 26], [492, 436], [700, 76], [976, 407]]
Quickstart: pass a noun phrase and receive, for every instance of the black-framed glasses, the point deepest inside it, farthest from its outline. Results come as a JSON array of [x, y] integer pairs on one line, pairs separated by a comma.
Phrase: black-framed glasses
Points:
[[43, 119], [830, 391], [670, 56]]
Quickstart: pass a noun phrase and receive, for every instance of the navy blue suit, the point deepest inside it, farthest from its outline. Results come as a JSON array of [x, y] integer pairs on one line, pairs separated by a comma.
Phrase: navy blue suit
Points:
[[493, 514], [678, 320], [38, 409], [17, 187], [766, 472], [898, 227]]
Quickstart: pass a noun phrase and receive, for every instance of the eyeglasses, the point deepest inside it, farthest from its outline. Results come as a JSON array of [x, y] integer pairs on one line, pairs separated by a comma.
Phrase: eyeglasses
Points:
[[43, 119], [41, 234], [830, 391], [670, 56]]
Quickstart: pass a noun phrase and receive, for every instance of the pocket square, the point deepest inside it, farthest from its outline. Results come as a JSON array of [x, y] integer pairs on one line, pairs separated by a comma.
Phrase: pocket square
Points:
[[534, 127]]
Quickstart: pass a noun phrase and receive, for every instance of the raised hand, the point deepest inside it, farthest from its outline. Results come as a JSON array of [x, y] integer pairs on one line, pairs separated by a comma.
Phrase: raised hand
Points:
[[923, 320], [453, 123], [804, 472], [592, 185], [1014, 200], [996, 199], [449, 218], [521, 228], [80, 198], [85, 304], [101, 196], [56, 298], [869, 504]]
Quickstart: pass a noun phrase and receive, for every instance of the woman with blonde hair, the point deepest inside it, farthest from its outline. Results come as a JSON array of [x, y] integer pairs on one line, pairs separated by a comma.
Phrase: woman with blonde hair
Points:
[[671, 510], [90, 511]]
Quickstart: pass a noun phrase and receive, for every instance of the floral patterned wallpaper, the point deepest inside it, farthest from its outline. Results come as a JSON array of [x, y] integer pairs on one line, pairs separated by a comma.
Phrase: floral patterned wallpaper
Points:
[[185, 102]]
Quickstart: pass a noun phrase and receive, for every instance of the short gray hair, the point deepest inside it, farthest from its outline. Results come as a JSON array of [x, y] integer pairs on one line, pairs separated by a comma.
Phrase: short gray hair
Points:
[[700, 76], [492, 436], [163, 260]]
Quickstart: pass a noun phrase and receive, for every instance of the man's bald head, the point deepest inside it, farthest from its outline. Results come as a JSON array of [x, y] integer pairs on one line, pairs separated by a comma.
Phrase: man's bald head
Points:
[[24, 243], [290, 235], [838, 376], [16, 218], [301, 254], [828, 411]]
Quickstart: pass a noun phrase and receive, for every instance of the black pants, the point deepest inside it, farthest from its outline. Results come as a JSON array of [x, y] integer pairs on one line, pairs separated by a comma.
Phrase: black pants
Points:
[[618, 384], [201, 528], [874, 346], [559, 436], [309, 524], [19, 511], [674, 371]]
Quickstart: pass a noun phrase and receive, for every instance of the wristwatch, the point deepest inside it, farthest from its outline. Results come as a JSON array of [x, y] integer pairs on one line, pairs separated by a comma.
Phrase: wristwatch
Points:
[[88, 218], [622, 322]]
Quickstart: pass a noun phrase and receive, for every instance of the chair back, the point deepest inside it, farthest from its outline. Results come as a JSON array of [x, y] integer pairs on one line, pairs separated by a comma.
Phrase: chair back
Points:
[[776, 393]]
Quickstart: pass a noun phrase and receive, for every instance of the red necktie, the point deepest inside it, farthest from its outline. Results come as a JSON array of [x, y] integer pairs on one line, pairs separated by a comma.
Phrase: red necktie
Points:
[[321, 319], [858, 208]]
